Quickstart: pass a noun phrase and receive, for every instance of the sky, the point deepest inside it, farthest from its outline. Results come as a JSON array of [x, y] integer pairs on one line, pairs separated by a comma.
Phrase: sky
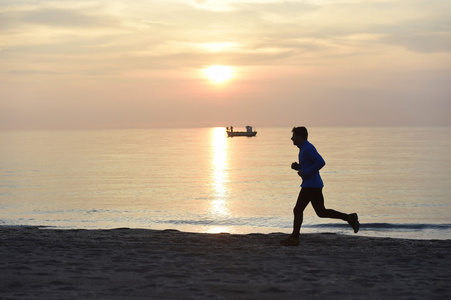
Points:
[[141, 64]]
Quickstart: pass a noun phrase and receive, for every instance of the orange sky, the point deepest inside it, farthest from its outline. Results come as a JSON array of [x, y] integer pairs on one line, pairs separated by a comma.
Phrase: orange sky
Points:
[[138, 64]]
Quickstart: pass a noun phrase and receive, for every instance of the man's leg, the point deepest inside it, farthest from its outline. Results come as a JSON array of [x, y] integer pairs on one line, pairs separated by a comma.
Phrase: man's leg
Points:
[[298, 211], [317, 200]]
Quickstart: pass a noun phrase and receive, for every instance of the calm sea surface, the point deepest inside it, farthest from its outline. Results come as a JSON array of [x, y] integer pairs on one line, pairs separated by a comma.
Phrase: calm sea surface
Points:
[[397, 179]]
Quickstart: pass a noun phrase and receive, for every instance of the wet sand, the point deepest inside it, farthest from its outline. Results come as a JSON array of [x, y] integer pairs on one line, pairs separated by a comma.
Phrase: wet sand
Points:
[[149, 264]]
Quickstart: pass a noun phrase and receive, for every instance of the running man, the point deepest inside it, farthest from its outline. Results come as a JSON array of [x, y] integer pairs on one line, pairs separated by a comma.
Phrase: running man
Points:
[[310, 162]]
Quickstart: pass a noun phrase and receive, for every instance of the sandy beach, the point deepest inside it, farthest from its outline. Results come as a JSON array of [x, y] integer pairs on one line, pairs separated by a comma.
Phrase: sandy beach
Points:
[[149, 264]]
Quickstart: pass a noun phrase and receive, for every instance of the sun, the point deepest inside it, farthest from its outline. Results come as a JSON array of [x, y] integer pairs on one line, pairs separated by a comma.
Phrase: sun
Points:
[[219, 74]]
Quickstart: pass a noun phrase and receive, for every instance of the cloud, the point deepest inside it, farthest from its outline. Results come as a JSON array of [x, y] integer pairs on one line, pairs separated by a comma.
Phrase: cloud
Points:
[[421, 42], [66, 18], [271, 30]]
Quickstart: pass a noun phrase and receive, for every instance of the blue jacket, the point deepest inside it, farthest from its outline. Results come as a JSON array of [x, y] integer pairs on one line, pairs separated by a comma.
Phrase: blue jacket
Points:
[[310, 162]]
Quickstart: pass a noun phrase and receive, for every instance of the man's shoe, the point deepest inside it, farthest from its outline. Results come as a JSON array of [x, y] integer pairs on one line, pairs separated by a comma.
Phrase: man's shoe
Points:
[[290, 241], [353, 220]]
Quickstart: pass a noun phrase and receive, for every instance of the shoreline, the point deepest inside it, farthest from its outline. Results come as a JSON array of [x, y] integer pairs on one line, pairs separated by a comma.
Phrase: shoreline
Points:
[[42, 263]]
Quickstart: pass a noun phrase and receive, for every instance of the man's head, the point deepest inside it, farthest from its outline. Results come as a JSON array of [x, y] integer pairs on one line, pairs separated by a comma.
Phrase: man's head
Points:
[[300, 134]]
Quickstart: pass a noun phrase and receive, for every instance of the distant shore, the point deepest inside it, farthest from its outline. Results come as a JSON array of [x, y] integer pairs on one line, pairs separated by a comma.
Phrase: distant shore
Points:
[[151, 264]]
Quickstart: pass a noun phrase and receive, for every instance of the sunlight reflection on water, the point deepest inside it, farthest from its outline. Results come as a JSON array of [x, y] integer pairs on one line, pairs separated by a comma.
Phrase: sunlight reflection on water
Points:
[[219, 174]]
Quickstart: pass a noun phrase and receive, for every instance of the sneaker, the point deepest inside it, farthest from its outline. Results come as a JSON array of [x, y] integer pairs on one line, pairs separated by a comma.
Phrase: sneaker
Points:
[[353, 220], [290, 241]]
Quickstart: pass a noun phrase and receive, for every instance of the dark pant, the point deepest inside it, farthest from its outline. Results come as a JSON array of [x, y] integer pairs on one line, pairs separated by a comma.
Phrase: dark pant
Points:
[[315, 196]]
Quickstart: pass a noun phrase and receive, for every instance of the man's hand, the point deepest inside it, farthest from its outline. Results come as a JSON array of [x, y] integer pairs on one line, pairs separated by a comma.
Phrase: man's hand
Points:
[[300, 173], [295, 166]]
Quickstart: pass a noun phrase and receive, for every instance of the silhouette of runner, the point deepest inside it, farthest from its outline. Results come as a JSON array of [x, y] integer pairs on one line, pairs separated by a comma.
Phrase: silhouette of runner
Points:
[[310, 162]]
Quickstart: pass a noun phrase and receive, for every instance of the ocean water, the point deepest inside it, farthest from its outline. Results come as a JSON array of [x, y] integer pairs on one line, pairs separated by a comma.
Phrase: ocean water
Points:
[[397, 179]]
